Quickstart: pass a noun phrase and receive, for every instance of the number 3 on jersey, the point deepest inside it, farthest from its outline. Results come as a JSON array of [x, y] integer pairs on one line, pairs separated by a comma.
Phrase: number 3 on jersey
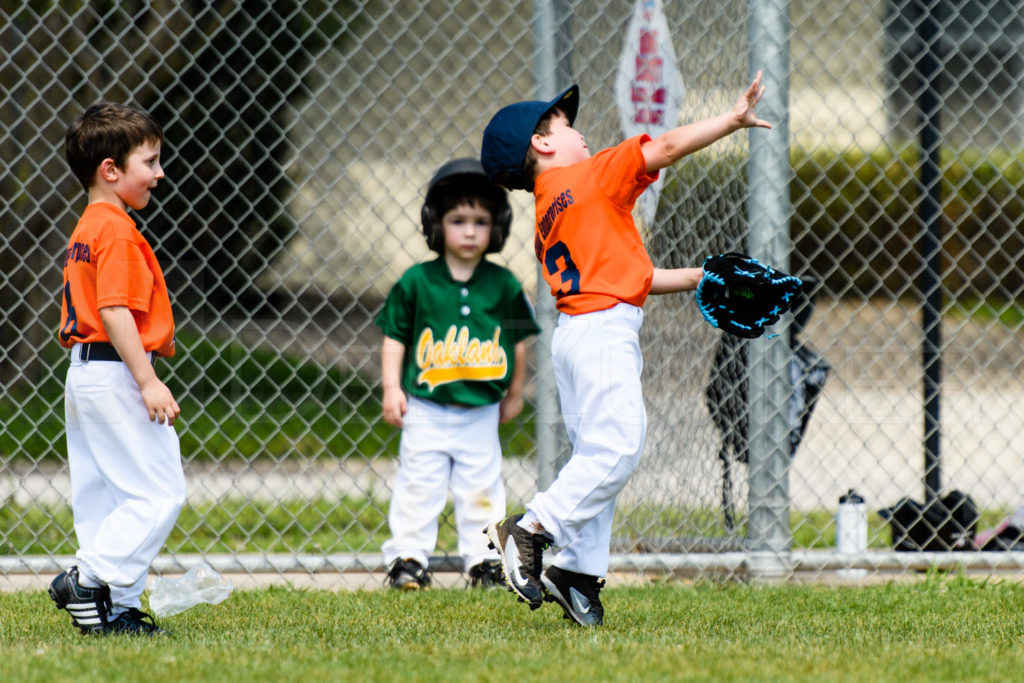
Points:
[[70, 327], [556, 253]]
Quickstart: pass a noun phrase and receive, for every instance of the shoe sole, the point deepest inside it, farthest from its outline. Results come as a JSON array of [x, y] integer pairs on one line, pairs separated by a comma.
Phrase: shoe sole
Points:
[[495, 544], [411, 587]]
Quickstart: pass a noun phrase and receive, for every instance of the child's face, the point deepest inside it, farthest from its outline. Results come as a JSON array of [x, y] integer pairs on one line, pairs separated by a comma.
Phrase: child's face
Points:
[[140, 174], [467, 232], [567, 142]]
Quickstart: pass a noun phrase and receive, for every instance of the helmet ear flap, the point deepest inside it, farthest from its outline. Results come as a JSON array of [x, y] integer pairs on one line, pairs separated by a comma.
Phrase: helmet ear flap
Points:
[[432, 230], [502, 222]]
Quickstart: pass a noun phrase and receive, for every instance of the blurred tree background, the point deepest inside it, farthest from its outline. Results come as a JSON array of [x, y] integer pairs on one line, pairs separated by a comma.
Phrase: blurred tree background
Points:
[[224, 80]]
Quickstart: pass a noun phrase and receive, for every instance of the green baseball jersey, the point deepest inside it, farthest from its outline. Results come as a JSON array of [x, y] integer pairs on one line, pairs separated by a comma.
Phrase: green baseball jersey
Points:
[[459, 337]]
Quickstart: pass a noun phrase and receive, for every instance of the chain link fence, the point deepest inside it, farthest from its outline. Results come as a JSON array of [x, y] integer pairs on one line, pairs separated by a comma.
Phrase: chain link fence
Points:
[[299, 139]]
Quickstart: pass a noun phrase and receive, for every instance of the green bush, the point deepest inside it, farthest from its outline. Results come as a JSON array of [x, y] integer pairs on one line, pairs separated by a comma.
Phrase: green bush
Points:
[[251, 402], [236, 401], [853, 219]]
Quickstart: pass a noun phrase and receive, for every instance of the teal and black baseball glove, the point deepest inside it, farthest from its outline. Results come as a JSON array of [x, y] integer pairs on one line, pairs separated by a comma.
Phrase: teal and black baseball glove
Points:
[[740, 295]]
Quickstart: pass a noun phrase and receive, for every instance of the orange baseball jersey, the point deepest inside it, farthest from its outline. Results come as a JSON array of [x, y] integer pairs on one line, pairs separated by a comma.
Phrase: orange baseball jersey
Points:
[[589, 248], [109, 263]]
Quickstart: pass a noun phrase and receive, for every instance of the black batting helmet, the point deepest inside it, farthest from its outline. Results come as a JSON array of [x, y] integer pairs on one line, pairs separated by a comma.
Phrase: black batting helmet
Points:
[[458, 179]]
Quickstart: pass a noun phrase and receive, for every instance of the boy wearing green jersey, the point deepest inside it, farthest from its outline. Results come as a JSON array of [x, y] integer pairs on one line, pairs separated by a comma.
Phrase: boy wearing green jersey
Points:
[[453, 364]]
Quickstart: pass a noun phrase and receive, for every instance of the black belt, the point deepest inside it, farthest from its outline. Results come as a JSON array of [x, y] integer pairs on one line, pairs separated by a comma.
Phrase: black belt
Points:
[[102, 351]]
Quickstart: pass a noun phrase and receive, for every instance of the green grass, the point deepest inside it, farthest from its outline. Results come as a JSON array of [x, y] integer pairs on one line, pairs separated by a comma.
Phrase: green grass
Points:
[[942, 628]]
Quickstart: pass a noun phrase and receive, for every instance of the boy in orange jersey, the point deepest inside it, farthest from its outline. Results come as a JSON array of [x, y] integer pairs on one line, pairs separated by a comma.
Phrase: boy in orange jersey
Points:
[[127, 483], [600, 274]]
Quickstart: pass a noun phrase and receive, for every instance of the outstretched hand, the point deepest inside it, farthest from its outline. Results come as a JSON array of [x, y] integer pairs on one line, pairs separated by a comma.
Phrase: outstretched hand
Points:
[[744, 108]]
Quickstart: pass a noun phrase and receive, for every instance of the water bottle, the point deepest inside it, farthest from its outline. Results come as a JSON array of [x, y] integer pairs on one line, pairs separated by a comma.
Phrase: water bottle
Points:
[[202, 583], [852, 531]]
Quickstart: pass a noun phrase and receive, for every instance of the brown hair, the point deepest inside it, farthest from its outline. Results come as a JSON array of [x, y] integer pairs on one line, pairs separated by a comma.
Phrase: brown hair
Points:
[[486, 196], [106, 131], [530, 162]]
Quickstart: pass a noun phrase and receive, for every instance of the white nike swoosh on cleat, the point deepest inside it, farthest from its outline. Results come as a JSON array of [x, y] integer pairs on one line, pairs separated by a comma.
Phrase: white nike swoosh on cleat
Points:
[[512, 561], [579, 603]]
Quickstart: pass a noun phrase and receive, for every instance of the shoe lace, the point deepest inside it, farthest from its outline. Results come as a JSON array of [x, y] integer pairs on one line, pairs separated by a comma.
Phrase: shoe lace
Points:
[[102, 600], [532, 555], [141, 617], [591, 587], [135, 619]]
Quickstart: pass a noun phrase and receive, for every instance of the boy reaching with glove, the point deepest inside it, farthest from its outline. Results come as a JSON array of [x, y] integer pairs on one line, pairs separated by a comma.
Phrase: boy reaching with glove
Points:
[[600, 274]]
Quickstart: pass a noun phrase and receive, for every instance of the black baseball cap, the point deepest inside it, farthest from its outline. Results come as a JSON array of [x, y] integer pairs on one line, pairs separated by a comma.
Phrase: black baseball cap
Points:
[[507, 136]]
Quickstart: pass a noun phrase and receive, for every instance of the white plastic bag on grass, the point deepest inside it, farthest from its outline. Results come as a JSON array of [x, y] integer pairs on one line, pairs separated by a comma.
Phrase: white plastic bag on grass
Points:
[[200, 584]]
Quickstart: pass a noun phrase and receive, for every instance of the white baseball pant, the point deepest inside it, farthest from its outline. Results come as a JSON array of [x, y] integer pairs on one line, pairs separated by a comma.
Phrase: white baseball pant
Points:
[[127, 482], [597, 365], [446, 446]]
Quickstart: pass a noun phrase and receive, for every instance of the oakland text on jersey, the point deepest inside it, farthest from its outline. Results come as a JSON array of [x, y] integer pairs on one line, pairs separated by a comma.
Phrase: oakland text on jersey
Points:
[[79, 251], [459, 357]]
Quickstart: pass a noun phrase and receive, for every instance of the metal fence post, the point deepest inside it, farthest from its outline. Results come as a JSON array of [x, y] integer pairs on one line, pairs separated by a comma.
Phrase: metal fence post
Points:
[[929, 103], [552, 69], [769, 535]]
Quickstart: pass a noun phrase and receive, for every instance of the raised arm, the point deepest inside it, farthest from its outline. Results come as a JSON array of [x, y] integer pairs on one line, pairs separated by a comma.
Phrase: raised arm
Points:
[[670, 147]]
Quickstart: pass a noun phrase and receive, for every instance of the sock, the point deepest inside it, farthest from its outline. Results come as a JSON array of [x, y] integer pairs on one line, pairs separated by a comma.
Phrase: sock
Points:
[[531, 524], [86, 581]]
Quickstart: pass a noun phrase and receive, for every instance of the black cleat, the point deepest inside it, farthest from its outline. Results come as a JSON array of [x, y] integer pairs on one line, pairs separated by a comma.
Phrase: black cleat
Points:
[[486, 574], [521, 558], [407, 575], [578, 594], [89, 607], [135, 622]]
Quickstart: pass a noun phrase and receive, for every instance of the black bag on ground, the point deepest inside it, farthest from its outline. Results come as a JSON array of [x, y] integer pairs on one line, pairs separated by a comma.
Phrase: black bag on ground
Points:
[[949, 523], [1007, 539], [1006, 536]]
